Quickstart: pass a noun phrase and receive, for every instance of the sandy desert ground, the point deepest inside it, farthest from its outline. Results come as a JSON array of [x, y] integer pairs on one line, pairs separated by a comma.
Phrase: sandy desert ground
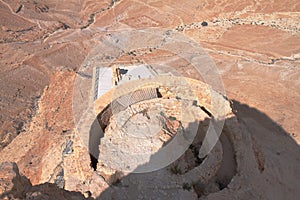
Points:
[[255, 45]]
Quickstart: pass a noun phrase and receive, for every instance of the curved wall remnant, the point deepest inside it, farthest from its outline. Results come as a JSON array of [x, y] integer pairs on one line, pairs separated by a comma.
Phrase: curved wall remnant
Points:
[[189, 169]]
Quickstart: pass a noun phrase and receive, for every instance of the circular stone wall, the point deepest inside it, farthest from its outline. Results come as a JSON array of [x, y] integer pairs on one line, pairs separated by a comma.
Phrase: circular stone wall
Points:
[[147, 126]]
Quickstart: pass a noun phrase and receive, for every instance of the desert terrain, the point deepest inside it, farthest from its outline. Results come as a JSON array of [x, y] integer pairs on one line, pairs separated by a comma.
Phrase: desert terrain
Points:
[[45, 47]]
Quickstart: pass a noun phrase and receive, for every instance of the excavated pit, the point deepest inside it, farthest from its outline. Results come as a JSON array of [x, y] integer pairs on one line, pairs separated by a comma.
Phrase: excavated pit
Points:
[[189, 175]]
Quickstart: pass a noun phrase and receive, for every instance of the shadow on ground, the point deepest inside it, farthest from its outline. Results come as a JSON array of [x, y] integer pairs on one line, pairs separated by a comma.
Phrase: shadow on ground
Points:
[[261, 162], [267, 166]]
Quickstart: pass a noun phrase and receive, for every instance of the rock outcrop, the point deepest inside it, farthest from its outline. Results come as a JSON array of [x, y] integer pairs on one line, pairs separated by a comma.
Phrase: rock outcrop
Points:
[[13, 185]]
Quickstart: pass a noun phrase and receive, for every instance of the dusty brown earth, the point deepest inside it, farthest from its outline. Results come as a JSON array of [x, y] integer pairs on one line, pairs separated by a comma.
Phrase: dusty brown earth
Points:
[[254, 44]]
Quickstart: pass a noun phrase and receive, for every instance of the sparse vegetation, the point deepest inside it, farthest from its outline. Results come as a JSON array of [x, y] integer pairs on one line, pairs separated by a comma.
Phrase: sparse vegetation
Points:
[[175, 169], [172, 118], [186, 186]]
